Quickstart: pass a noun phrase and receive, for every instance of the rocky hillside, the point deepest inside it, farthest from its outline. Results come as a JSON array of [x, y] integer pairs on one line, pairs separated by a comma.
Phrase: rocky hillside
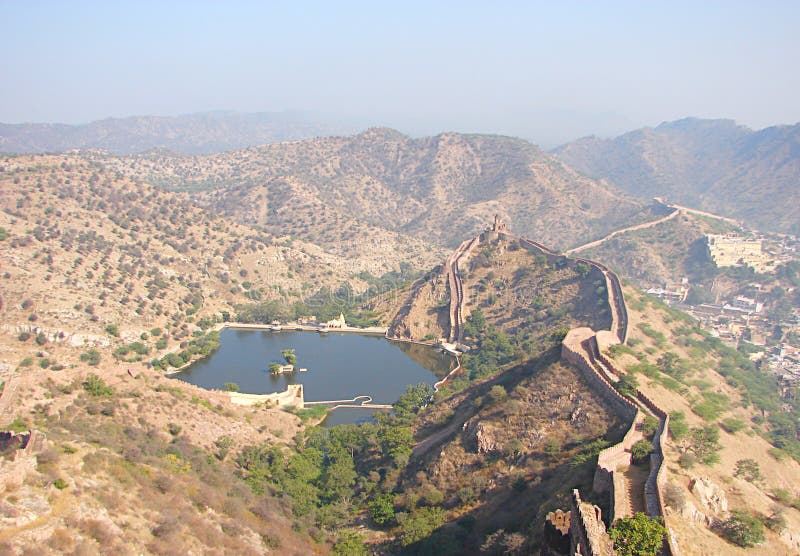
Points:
[[440, 189], [92, 258], [733, 451], [509, 438], [204, 132], [715, 165]]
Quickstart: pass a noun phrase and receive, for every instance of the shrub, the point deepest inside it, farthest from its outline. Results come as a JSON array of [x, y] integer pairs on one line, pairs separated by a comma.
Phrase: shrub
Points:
[[350, 543], [743, 529], [24, 336], [96, 386], [749, 470], [641, 450], [113, 330], [674, 496], [497, 394], [230, 387], [678, 429], [649, 425], [420, 524], [638, 535], [60, 484], [381, 510], [91, 357], [732, 425], [687, 460]]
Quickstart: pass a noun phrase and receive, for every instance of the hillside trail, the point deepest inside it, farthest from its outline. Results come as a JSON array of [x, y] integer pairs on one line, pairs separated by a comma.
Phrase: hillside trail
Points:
[[615, 233]]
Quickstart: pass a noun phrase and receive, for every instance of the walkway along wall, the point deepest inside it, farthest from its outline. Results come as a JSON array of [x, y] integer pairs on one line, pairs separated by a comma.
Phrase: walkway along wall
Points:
[[581, 348]]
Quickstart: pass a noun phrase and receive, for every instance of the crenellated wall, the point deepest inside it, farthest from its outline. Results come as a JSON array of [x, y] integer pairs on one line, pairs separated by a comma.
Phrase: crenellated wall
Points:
[[583, 348], [586, 529]]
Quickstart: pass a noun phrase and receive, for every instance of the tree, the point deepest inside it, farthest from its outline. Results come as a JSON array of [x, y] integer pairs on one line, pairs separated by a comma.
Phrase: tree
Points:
[[420, 524], [396, 441], [95, 386], [230, 387], [743, 529], [749, 470], [704, 443], [274, 368], [381, 510], [289, 356], [639, 535], [92, 357], [497, 394], [350, 543], [641, 450]]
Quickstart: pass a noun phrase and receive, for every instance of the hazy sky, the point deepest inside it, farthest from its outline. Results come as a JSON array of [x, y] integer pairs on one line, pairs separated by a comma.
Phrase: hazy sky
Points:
[[537, 69]]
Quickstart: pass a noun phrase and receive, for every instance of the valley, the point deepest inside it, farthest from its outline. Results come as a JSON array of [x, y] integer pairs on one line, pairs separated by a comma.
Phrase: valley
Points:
[[119, 269]]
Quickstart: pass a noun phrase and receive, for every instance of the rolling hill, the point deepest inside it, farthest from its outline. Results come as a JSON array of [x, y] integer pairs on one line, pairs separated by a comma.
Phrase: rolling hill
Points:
[[439, 189], [714, 165]]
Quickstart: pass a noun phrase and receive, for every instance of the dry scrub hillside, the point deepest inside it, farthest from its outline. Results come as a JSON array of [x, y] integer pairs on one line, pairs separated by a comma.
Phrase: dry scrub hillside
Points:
[[140, 465], [523, 294], [92, 258], [712, 391], [335, 190], [501, 453], [713, 165], [664, 253]]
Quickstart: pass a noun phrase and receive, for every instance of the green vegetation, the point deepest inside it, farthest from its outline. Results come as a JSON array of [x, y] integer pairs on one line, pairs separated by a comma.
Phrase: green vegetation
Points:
[[678, 428], [113, 330], [350, 543], [627, 385], [91, 357], [137, 349], [639, 535], [743, 529], [703, 443], [313, 413], [326, 304], [641, 450], [749, 470], [381, 509], [289, 356], [492, 348], [230, 387], [732, 425], [18, 425], [96, 386], [198, 348]]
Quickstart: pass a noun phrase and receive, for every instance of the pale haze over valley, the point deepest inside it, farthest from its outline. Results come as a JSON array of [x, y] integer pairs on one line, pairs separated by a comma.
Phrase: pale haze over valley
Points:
[[547, 72]]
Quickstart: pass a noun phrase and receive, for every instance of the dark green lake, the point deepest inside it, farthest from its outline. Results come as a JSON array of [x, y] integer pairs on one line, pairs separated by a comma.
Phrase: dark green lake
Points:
[[340, 366]]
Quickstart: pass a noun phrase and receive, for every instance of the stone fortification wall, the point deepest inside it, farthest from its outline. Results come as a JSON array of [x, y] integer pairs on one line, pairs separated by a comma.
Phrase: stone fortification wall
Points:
[[292, 397], [456, 286], [616, 301], [24, 447], [587, 530], [574, 352]]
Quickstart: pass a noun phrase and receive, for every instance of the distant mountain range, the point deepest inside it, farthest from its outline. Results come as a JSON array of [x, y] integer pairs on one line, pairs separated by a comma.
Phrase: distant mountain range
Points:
[[200, 133], [715, 165]]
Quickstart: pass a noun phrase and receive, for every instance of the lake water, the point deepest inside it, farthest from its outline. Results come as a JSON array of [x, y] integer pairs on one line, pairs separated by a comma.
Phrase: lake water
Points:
[[340, 366]]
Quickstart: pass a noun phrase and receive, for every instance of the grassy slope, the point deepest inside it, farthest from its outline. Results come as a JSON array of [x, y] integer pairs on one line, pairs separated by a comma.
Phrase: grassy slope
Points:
[[655, 330]]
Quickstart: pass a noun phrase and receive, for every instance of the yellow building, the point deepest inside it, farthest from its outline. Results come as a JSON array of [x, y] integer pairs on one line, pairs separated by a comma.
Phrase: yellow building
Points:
[[731, 250]]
